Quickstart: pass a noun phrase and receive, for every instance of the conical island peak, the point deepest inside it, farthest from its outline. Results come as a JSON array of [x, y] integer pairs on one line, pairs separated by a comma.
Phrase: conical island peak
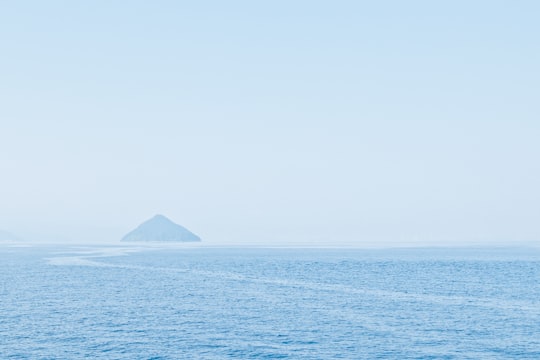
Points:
[[160, 229]]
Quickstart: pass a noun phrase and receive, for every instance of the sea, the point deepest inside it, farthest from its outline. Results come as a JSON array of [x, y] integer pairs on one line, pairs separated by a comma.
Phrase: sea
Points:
[[137, 302]]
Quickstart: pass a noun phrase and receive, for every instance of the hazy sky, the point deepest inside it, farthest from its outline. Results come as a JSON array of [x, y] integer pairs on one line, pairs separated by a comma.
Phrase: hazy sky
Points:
[[365, 122]]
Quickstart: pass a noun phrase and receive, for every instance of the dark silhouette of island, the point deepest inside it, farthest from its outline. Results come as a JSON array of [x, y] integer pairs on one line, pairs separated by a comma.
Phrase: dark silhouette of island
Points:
[[160, 229]]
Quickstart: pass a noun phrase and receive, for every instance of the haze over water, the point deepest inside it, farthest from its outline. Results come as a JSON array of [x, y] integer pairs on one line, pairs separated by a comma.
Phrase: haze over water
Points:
[[364, 123]]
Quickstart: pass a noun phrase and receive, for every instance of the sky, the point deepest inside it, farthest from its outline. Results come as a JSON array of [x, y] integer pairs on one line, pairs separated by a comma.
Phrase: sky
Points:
[[367, 123]]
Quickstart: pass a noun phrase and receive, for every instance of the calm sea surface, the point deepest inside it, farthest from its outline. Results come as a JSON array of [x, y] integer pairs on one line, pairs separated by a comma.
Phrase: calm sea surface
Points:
[[211, 303]]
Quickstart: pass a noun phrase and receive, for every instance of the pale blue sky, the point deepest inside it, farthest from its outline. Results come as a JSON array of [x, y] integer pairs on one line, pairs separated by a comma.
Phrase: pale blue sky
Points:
[[368, 123]]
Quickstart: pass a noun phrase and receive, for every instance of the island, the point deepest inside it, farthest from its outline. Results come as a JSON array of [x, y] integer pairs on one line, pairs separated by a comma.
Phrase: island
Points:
[[8, 237], [160, 229]]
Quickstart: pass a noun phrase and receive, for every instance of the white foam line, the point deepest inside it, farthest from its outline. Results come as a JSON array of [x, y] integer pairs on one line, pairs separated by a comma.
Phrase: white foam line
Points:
[[74, 261], [83, 260], [393, 295]]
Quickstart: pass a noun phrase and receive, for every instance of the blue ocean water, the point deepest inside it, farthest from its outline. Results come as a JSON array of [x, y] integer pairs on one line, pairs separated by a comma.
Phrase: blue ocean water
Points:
[[220, 303]]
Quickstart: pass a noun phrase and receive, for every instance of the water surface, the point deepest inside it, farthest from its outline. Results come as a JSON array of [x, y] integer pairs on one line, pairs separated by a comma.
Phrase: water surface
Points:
[[217, 303]]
